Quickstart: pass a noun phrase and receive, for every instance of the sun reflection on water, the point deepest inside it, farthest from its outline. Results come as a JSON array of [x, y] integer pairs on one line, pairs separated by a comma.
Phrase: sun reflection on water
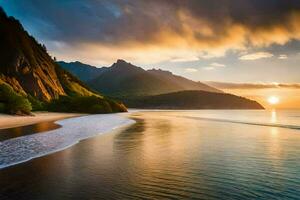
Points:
[[273, 116]]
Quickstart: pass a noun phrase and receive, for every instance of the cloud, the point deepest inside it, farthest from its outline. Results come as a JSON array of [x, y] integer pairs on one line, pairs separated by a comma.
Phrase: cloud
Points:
[[185, 59], [282, 56], [190, 70], [229, 85], [209, 68], [214, 66], [205, 29], [217, 64], [256, 56]]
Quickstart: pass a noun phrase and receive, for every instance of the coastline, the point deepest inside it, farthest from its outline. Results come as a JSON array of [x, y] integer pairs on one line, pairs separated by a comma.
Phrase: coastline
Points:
[[12, 121], [73, 130], [120, 163]]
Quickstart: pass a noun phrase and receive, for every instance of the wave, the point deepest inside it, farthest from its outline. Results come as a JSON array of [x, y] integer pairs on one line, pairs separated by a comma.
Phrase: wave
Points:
[[295, 127], [73, 130]]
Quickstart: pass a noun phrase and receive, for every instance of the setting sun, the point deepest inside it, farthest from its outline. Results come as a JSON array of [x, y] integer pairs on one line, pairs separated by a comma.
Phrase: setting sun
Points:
[[273, 100]]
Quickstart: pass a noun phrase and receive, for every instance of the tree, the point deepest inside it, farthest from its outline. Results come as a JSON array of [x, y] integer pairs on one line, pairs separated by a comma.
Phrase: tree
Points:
[[44, 47]]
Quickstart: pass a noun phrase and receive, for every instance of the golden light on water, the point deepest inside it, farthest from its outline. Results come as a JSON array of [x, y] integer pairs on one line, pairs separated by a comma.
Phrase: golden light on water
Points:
[[273, 100], [273, 116]]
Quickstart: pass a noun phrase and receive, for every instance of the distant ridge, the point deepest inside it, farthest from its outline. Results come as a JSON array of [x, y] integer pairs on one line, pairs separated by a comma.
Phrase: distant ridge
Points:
[[125, 79], [82, 71], [183, 82], [193, 100], [159, 89]]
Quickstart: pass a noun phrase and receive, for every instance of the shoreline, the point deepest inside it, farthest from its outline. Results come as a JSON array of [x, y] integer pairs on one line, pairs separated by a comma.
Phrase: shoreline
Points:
[[12, 121], [73, 130]]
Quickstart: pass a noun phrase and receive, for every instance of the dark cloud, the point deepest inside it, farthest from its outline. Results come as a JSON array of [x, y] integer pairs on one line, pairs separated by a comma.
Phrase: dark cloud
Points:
[[141, 20], [151, 31], [228, 85], [65, 20]]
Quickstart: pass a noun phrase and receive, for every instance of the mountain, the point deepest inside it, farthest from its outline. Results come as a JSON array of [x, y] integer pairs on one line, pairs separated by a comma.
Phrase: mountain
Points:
[[181, 82], [83, 71], [193, 100], [125, 79], [27, 71], [139, 88]]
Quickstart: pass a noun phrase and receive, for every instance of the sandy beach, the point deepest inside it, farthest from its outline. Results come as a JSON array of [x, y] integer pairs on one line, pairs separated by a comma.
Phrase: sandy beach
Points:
[[71, 132], [10, 121]]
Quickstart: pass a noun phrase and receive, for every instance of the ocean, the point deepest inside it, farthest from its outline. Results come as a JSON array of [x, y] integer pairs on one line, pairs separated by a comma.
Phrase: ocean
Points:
[[205, 154]]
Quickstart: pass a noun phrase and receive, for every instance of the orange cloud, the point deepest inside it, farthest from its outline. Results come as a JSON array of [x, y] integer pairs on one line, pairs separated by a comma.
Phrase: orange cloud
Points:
[[152, 31]]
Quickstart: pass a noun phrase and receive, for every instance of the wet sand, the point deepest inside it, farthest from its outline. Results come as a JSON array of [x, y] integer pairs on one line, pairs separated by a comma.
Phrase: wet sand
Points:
[[11, 121]]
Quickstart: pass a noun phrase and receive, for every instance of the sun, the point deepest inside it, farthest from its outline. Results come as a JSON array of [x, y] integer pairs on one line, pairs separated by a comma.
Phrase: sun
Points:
[[273, 100]]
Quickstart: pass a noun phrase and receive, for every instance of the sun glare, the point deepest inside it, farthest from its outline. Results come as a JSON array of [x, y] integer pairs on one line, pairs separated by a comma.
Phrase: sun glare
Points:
[[273, 100]]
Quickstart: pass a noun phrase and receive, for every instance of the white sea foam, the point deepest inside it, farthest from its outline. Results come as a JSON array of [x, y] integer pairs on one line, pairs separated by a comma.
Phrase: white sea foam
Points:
[[73, 130]]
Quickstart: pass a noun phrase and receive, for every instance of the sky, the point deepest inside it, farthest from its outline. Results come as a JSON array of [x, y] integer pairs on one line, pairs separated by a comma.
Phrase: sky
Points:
[[249, 47]]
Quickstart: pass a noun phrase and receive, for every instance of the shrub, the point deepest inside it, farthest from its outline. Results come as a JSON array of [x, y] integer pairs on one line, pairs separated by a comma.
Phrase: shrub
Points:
[[13, 102], [18, 105], [84, 104], [36, 104]]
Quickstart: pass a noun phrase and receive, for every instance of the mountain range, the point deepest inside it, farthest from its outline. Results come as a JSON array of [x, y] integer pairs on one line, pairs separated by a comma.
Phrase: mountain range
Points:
[[155, 88], [125, 79]]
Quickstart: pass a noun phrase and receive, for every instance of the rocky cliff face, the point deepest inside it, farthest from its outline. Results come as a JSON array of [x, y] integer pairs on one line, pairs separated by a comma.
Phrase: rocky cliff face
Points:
[[25, 64]]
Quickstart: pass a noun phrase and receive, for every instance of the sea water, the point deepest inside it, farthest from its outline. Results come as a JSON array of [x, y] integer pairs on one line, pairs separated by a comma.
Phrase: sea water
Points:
[[206, 154]]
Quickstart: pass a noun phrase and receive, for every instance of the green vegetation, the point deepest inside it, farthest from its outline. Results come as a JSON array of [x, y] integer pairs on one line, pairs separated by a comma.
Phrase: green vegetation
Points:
[[85, 104], [36, 104], [13, 103], [72, 85], [2, 107]]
